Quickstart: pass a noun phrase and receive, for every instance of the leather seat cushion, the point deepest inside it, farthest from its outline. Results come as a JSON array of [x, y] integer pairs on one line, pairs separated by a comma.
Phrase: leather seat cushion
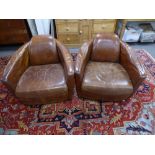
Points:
[[42, 81], [109, 81]]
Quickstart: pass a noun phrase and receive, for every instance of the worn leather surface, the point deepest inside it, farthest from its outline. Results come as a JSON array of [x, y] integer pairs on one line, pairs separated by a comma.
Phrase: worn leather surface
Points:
[[41, 72], [130, 62], [81, 62], [106, 48], [67, 63], [107, 81], [42, 50], [107, 70], [44, 81], [16, 67]]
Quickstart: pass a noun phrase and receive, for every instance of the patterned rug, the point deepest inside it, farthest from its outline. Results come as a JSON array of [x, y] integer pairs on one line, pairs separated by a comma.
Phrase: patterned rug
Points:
[[133, 116]]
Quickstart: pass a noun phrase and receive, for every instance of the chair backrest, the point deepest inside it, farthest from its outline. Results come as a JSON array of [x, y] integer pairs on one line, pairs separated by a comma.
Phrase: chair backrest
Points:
[[42, 50], [106, 48]]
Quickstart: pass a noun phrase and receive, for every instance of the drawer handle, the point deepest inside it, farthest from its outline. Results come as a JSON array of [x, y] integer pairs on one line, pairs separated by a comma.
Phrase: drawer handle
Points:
[[67, 29], [81, 32], [68, 39]]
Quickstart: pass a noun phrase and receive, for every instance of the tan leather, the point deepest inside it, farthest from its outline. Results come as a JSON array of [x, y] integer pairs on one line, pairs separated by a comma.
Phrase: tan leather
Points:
[[67, 63], [132, 65], [41, 72], [106, 79], [106, 48], [111, 73], [81, 62], [16, 67], [44, 81], [42, 50]]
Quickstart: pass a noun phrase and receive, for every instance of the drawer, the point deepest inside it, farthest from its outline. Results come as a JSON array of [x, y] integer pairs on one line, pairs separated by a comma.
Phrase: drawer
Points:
[[84, 39], [67, 28], [69, 38], [108, 26], [12, 24], [14, 39], [94, 35], [12, 32]]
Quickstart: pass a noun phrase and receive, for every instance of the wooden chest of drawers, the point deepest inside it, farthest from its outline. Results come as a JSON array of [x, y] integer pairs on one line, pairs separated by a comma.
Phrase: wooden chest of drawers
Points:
[[73, 32], [13, 31]]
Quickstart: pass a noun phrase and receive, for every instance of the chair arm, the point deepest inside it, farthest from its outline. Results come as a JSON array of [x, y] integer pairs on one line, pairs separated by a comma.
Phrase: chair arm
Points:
[[16, 66], [81, 62], [130, 62], [67, 62]]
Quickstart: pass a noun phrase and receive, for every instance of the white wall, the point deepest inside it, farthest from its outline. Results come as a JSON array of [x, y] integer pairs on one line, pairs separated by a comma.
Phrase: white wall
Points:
[[32, 26], [52, 28], [43, 26]]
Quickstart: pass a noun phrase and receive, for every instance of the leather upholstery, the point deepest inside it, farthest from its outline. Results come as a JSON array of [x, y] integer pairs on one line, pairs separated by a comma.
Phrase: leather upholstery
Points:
[[106, 48], [42, 50], [108, 79], [132, 65], [18, 63], [81, 62], [67, 63], [106, 69], [41, 72], [42, 81]]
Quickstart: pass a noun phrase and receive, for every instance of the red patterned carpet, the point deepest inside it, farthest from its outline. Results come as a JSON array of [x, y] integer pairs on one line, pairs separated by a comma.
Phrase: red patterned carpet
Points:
[[133, 116]]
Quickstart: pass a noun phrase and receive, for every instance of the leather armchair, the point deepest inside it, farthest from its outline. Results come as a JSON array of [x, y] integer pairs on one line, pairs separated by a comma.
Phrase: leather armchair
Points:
[[107, 69], [40, 72]]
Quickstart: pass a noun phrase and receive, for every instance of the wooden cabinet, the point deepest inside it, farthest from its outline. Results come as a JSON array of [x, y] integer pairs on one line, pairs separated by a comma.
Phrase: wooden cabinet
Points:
[[68, 32], [103, 26], [84, 30], [73, 32], [13, 31]]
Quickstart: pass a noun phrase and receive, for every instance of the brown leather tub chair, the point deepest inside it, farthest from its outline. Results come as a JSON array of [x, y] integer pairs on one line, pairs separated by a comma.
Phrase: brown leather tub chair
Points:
[[40, 72], [107, 69]]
